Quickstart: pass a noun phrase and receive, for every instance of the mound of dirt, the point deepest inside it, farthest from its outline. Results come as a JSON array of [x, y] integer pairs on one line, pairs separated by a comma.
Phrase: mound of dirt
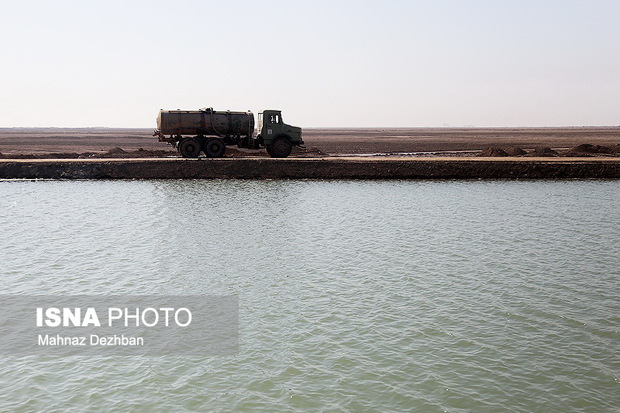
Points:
[[543, 152], [587, 149], [493, 152], [515, 151]]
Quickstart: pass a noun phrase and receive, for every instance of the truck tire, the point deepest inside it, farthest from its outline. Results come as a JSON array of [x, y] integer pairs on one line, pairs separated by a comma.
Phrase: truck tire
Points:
[[242, 143], [189, 148], [214, 148], [280, 148]]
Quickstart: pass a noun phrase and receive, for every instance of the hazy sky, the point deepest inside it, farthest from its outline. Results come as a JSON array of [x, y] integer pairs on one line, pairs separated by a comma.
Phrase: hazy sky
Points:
[[324, 63]]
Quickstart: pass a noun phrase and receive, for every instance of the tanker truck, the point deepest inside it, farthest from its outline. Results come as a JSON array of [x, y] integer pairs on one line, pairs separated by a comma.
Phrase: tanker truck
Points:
[[209, 131]]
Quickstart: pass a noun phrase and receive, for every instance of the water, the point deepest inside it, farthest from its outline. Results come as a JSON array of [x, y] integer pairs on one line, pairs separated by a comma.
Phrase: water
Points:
[[354, 296]]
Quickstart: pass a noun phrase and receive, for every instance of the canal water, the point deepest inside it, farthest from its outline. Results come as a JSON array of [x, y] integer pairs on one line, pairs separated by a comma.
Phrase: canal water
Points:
[[353, 296]]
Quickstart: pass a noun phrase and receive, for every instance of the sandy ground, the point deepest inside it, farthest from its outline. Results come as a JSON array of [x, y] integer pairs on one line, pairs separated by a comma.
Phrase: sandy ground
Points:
[[359, 141], [96, 142]]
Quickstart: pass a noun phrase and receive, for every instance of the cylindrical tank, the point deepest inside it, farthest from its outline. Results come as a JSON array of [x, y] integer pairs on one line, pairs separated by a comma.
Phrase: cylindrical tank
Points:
[[206, 122]]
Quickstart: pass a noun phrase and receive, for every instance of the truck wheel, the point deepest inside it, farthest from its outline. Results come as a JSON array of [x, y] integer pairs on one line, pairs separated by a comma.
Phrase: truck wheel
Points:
[[189, 148], [280, 148], [242, 143], [214, 148]]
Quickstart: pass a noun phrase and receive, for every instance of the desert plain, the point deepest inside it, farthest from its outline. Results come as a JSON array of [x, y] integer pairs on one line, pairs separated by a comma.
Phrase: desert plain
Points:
[[96, 142]]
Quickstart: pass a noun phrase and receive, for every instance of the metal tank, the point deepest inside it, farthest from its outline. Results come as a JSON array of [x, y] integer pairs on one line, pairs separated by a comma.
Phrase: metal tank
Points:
[[205, 122]]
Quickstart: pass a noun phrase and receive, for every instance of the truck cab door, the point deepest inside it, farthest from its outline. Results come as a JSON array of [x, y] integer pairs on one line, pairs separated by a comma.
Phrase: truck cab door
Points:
[[274, 120]]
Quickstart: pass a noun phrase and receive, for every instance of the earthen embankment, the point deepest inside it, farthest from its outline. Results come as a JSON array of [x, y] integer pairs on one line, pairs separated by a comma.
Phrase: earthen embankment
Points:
[[313, 168]]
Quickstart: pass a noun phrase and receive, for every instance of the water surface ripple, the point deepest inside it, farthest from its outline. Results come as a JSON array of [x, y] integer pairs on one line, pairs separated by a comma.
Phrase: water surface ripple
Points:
[[355, 296]]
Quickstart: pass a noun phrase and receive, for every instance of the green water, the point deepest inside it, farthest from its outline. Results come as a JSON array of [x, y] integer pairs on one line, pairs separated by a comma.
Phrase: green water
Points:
[[354, 296]]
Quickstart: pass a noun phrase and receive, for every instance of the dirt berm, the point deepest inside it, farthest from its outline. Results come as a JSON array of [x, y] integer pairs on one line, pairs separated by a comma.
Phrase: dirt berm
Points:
[[312, 168]]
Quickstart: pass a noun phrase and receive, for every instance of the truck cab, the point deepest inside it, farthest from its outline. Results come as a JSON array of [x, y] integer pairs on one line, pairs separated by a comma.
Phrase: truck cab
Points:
[[277, 136]]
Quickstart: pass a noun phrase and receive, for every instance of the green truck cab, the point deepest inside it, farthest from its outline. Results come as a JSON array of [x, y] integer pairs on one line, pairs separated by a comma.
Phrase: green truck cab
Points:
[[277, 136]]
